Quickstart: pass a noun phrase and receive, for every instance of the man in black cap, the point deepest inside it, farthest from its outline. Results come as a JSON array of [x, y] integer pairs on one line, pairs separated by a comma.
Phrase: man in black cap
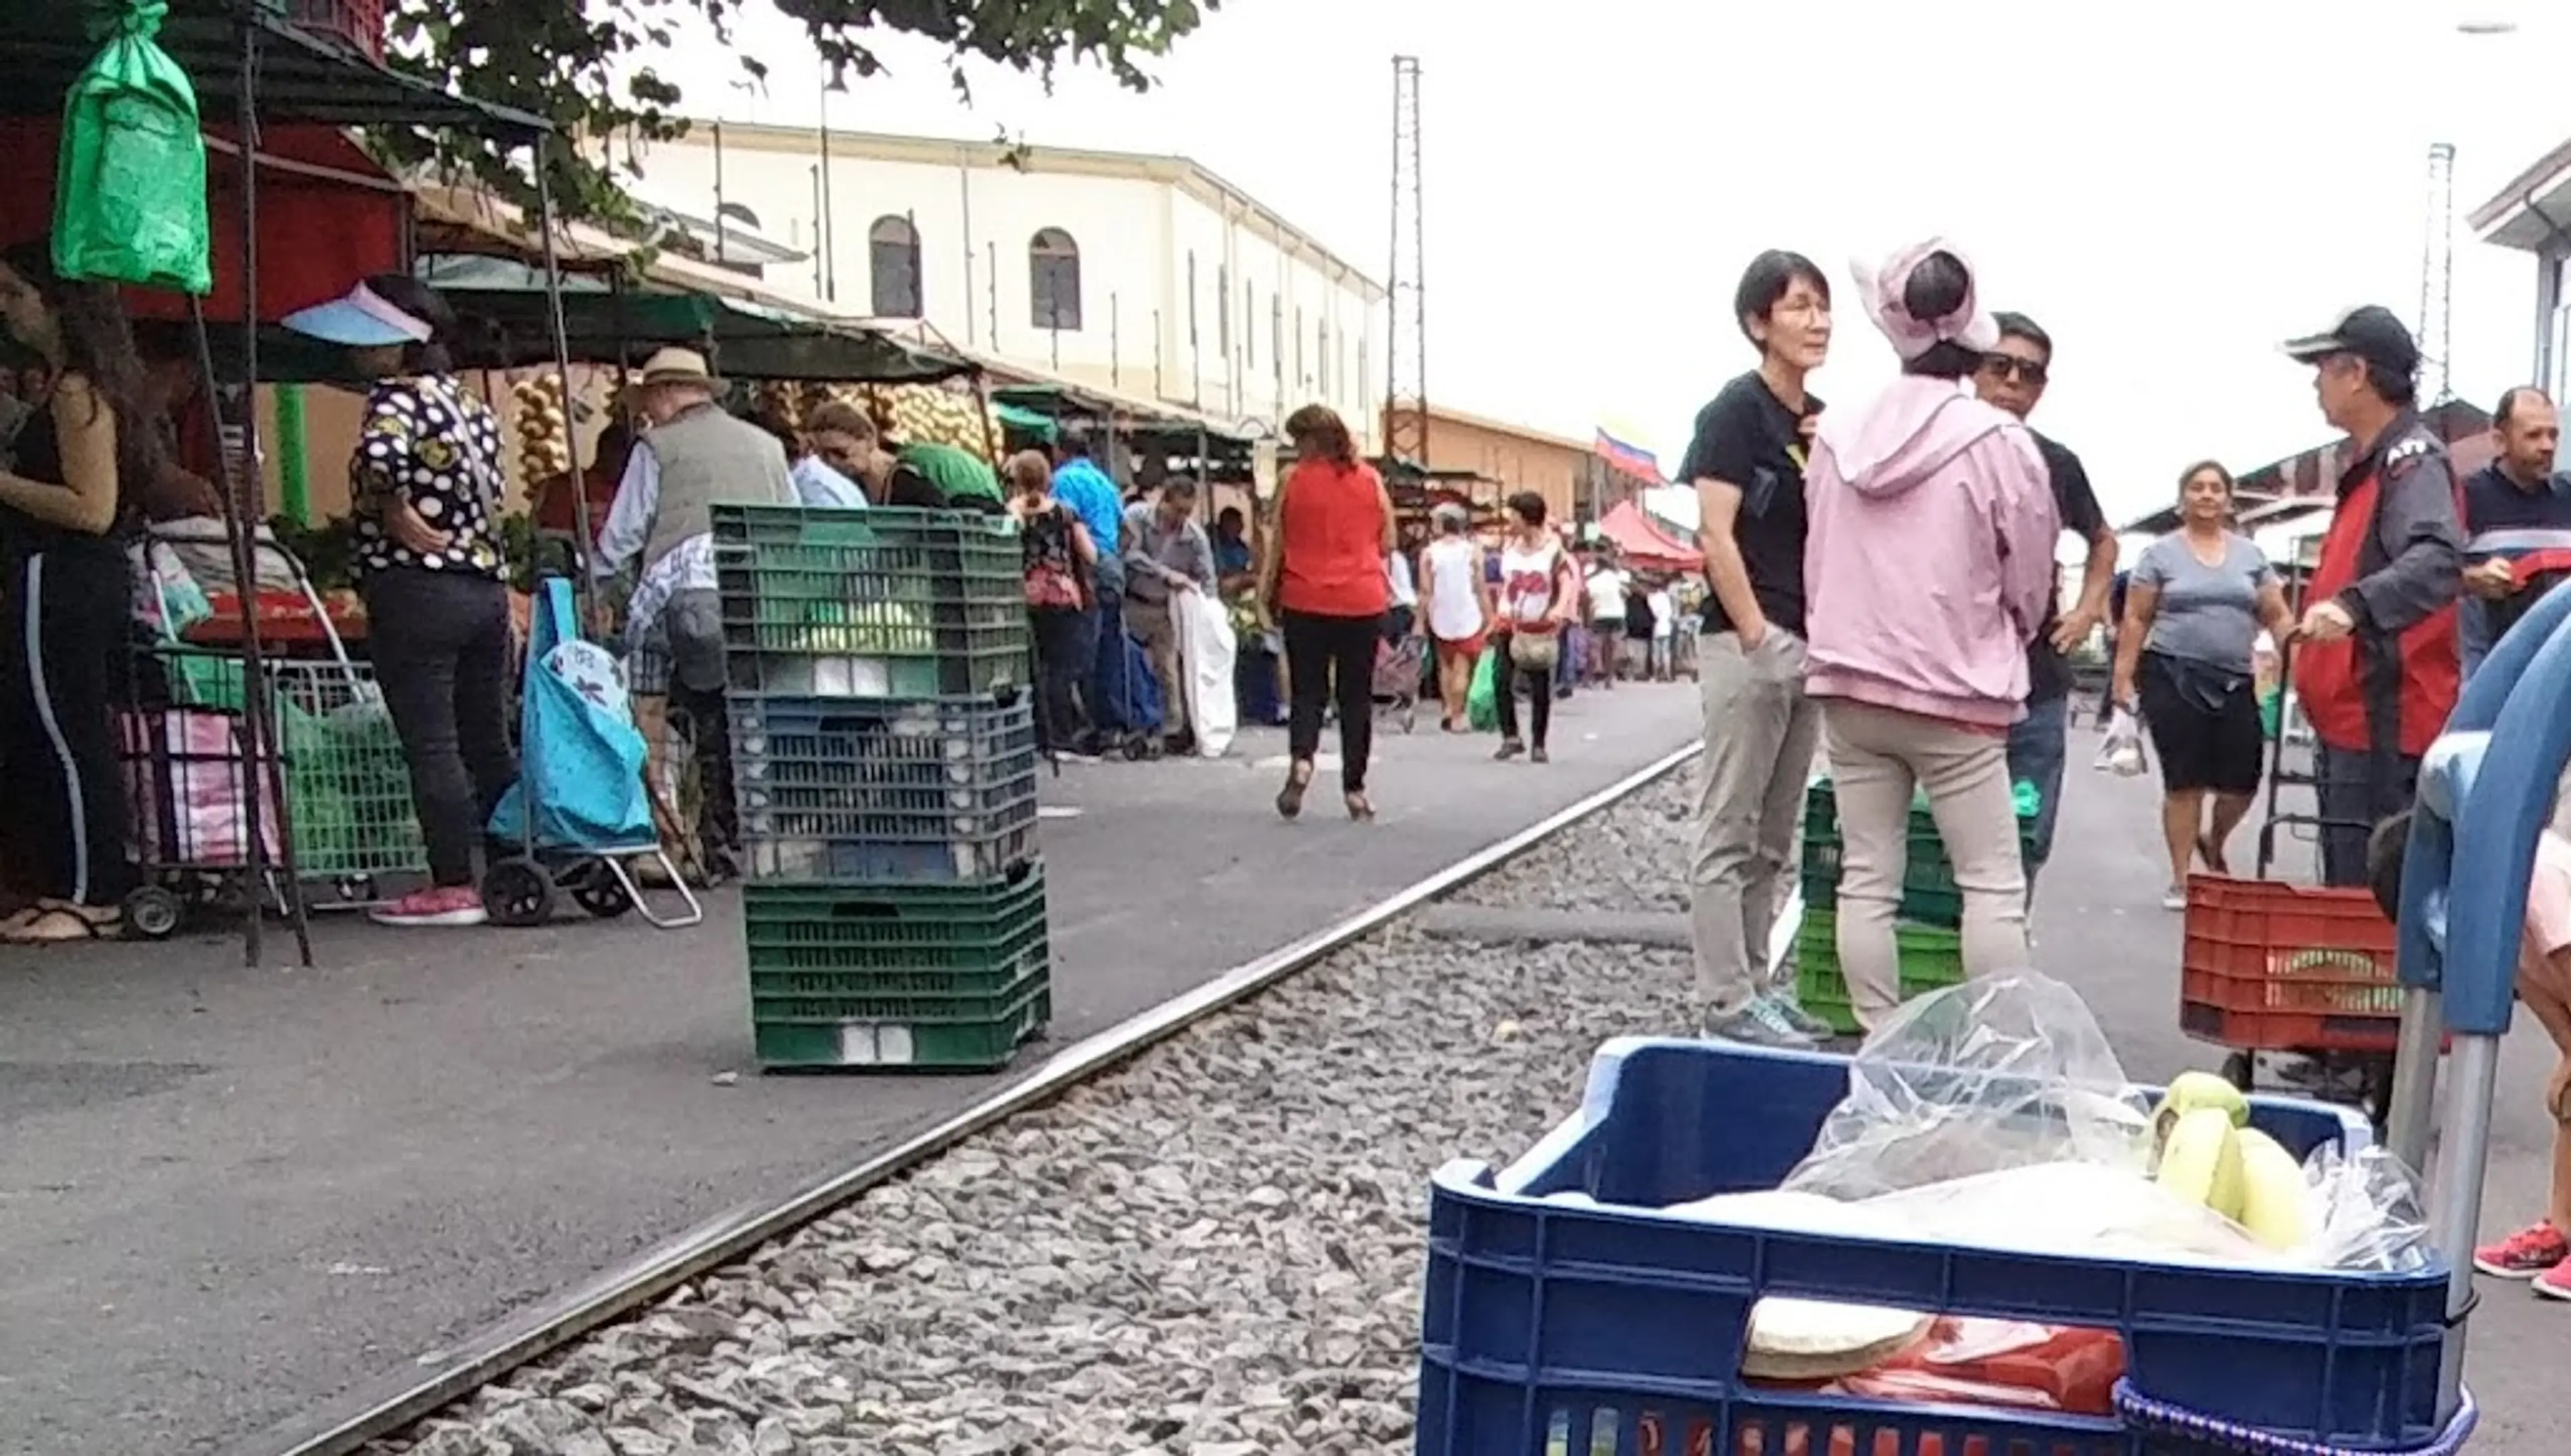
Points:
[[2376, 658]]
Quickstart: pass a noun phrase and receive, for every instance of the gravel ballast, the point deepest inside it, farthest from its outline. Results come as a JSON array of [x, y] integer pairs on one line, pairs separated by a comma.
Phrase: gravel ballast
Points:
[[1215, 1250]]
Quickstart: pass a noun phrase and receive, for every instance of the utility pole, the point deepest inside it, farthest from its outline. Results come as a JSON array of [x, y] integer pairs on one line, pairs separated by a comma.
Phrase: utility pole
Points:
[[2438, 278], [829, 227], [1405, 405]]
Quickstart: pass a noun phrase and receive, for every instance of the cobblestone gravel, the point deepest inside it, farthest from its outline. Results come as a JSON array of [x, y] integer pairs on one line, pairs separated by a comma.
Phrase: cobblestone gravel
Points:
[[1632, 857], [1215, 1250]]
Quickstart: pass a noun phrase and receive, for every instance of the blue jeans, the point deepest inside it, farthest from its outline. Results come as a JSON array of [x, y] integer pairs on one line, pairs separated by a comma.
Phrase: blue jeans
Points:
[[1109, 695], [2037, 747]]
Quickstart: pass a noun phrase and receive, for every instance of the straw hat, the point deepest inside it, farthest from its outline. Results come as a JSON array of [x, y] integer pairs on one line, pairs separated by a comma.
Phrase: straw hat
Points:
[[674, 367]]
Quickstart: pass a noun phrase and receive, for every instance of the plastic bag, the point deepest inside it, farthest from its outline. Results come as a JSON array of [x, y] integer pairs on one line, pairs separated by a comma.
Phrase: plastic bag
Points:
[[2367, 1212], [1206, 654], [130, 187], [1994, 1074], [2121, 751], [1482, 700], [1969, 1360]]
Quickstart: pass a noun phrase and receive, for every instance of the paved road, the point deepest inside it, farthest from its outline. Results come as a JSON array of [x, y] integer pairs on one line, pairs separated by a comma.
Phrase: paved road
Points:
[[2099, 926], [228, 1195]]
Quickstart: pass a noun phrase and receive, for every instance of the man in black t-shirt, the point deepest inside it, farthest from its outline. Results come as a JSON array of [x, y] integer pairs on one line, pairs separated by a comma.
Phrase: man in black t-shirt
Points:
[[2013, 377], [1746, 464]]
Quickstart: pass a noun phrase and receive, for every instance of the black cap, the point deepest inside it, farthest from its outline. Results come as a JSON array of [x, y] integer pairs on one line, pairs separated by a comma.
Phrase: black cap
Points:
[[2370, 332]]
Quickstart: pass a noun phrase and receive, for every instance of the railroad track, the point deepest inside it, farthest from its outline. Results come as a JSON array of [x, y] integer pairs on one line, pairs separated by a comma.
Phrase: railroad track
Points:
[[730, 1288]]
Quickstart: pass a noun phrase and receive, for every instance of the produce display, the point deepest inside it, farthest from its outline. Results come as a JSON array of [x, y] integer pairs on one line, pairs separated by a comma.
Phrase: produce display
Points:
[[909, 414], [544, 427]]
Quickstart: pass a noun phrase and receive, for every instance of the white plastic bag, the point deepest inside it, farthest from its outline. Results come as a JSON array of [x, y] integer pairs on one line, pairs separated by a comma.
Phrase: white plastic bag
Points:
[[1206, 652], [2122, 751]]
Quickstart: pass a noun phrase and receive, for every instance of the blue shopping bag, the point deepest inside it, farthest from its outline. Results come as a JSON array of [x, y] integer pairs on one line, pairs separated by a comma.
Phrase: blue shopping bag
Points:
[[582, 757]]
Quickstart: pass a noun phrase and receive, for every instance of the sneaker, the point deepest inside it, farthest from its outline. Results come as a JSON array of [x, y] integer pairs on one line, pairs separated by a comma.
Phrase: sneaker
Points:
[[1804, 1022], [1759, 1024], [1537, 754], [2555, 1283], [1509, 749], [455, 905], [2173, 898], [2536, 1251]]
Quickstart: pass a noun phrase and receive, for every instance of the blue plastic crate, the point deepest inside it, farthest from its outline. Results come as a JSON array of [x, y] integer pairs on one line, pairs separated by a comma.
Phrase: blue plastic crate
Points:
[[1622, 1331]]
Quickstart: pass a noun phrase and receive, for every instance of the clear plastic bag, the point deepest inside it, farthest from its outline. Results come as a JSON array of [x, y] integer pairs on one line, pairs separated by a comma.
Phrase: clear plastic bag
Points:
[[2002, 1072], [2366, 1211], [2121, 751]]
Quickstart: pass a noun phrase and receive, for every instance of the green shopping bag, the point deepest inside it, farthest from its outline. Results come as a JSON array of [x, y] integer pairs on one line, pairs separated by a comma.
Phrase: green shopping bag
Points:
[[130, 187], [1482, 700]]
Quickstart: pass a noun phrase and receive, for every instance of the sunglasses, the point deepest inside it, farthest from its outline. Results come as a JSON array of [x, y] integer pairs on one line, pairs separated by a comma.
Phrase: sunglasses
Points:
[[2003, 366]]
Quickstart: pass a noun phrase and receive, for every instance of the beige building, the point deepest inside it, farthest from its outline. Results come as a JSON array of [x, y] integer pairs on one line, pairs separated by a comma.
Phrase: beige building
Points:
[[1147, 274], [1576, 483]]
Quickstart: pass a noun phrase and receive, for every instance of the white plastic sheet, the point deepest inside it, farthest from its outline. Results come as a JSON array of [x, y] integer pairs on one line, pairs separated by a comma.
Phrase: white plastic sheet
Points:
[[1206, 652]]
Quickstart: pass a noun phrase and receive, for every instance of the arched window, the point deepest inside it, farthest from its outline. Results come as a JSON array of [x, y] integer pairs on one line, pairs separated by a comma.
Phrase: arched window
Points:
[[1053, 278], [892, 257]]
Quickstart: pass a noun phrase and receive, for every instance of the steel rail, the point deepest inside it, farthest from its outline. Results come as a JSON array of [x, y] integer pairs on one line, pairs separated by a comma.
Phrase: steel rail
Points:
[[393, 1403]]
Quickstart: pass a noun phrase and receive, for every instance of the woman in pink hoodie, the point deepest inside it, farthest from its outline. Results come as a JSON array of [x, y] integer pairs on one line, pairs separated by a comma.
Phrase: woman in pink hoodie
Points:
[[1930, 563]]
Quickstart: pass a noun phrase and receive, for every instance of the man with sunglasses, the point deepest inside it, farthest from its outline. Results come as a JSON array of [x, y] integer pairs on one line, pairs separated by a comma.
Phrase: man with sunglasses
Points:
[[2013, 377]]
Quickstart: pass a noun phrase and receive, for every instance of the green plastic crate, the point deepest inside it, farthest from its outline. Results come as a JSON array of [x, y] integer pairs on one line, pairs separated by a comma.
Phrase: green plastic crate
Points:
[[1932, 960], [899, 977], [1930, 895]]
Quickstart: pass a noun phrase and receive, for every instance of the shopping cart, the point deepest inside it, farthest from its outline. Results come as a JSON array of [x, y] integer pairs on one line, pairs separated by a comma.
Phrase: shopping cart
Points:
[[1397, 681], [345, 783], [2272, 968]]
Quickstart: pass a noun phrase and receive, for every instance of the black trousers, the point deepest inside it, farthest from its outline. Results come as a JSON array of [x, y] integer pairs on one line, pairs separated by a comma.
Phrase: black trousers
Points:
[[1332, 659], [67, 667], [1063, 651], [1539, 692], [440, 644], [2356, 794]]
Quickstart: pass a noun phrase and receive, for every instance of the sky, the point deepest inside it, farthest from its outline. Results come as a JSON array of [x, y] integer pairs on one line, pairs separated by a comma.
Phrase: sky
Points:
[[2170, 188]]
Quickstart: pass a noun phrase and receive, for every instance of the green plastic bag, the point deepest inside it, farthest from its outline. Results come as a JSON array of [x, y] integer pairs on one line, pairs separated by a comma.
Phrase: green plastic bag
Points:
[[1482, 700], [130, 190]]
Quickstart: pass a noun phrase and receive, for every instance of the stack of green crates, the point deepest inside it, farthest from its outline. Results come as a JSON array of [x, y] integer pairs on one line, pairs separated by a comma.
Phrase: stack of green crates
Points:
[[1932, 908], [884, 764]]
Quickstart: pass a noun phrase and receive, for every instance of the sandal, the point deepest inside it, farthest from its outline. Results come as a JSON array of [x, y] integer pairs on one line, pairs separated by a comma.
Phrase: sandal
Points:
[[1360, 807], [65, 924], [2211, 854], [1290, 799]]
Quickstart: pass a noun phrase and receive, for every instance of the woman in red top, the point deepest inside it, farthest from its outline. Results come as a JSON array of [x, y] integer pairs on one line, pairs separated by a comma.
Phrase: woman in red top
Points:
[[1323, 578]]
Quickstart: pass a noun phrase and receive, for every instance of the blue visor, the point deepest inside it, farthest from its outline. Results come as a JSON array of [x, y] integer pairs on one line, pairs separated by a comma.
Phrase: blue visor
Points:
[[359, 320]]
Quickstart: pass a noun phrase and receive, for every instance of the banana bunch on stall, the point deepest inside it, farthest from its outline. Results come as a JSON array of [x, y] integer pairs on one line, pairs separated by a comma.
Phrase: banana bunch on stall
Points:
[[931, 415], [544, 427]]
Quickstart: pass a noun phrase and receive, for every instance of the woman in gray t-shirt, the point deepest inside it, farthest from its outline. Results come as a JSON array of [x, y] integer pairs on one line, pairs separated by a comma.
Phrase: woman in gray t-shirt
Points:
[[2194, 609]]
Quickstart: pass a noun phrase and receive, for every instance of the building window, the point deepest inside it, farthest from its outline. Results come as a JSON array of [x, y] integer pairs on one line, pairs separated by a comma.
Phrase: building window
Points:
[[1053, 274], [892, 257]]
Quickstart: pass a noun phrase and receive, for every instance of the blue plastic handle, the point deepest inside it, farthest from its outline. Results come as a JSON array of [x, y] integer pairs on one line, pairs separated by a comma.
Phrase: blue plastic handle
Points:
[[2485, 794]]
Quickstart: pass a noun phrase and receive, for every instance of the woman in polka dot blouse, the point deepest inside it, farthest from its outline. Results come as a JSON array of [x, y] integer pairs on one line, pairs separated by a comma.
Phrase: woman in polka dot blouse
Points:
[[425, 484]]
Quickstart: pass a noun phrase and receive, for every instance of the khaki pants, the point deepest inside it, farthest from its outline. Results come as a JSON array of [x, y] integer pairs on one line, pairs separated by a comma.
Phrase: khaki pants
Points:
[[1877, 757], [1758, 736], [1150, 623]]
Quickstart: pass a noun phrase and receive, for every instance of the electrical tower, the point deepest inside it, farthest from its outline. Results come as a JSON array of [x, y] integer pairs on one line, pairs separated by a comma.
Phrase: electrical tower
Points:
[[1405, 401], [2438, 278]]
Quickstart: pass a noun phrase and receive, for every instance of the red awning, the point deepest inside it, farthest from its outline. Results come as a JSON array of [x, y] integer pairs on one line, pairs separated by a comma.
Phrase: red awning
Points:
[[327, 216], [1641, 540]]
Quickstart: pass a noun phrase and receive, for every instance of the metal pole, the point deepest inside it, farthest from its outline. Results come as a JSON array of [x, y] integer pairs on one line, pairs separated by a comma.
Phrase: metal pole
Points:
[[581, 598], [992, 286], [819, 248], [829, 226], [722, 248], [964, 187], [1160, 348]]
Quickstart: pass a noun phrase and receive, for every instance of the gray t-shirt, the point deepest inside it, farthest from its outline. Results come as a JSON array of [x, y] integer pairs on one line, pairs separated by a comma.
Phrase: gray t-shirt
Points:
[[2207, 614]]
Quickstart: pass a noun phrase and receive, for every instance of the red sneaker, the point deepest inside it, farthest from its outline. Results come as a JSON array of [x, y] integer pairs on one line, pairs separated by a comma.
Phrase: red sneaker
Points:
[[2555, 1283], [2532, 1252], [454, 905]]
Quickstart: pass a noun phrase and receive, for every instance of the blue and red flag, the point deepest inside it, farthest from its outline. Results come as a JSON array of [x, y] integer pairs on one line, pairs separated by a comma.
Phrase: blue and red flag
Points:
[[1626, 457]]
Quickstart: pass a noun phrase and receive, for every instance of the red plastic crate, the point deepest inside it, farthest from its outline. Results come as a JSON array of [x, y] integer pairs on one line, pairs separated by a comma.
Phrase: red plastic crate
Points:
[[2273, 967], [360, 23]]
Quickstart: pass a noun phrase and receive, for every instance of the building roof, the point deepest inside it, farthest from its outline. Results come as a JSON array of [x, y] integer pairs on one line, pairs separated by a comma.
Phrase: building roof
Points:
[[1184, 173], [2534, 209]]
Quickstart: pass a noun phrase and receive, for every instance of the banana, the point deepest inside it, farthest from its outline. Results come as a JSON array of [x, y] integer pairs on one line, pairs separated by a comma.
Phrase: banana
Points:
[[2191, 1091], [2274, 1207], [2200, 1162]]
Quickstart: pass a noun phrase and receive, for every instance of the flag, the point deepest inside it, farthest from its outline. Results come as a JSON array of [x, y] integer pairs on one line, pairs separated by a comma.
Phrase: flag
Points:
[[1626, 456]]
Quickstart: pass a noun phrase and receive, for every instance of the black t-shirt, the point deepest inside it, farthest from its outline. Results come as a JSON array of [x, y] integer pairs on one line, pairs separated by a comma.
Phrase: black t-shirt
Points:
[[2047, 676], [1750, 440], [910, 487]]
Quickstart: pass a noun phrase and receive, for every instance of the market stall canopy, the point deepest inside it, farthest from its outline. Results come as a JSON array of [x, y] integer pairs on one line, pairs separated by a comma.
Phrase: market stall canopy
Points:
[[501, 305], [1641, 540], [301, 76]]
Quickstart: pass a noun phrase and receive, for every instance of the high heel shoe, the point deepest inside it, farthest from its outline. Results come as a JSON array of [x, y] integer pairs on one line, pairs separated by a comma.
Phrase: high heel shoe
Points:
[[1361, 809], [1290, 799]]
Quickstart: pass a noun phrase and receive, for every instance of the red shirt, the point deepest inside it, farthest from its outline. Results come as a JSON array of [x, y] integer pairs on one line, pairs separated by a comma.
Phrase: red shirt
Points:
[[2409, 675], [1331, 533]]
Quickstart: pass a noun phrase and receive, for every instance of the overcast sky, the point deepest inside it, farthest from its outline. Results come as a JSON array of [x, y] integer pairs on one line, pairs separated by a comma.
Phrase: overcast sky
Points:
[[2170, 188]]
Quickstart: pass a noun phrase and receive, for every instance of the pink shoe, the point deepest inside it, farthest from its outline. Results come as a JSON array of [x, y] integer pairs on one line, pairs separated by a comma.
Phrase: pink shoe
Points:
[[2538, 1250], [454, 905], [2555, 1283]]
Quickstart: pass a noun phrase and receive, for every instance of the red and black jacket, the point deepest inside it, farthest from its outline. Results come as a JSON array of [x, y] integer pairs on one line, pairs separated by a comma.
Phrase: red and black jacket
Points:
[[2393, 559]]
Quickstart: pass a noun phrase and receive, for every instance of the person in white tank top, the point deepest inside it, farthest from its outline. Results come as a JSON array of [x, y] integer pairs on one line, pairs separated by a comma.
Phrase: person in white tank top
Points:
[[1451, 587]]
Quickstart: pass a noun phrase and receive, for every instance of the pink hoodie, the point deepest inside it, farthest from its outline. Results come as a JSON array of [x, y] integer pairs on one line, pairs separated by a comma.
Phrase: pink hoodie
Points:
[[1930, 561]]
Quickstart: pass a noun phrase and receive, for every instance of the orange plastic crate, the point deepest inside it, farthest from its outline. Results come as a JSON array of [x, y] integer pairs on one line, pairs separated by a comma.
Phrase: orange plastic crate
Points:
[[2273, 967]]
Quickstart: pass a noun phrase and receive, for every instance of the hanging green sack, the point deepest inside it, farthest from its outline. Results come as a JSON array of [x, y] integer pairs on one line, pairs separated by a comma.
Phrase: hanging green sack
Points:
[[1482, 700], [130, 190]]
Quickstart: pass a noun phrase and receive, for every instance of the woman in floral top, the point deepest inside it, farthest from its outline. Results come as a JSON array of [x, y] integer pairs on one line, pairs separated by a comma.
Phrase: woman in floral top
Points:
[[425, 483]]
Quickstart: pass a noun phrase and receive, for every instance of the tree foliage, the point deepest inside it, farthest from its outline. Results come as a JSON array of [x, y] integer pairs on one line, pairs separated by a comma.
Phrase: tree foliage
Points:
[[588, 66]]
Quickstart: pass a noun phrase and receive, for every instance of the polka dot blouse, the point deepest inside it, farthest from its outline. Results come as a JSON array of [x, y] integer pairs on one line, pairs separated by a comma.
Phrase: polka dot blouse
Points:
[[430, 442]]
